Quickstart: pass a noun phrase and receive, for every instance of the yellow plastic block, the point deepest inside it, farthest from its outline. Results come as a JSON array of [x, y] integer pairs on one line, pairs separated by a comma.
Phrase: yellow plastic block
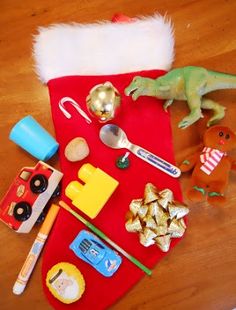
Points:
[[92, 196]]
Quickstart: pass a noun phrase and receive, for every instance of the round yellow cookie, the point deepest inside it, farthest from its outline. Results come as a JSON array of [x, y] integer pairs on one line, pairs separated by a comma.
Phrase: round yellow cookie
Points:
[[65, 282]]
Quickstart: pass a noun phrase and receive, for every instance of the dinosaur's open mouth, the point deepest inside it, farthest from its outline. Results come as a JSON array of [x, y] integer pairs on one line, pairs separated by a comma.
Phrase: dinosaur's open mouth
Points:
[[129, 92]]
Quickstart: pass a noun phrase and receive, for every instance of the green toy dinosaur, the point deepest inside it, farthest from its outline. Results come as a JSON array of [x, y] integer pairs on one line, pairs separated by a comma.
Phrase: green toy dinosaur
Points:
[[187, 83]]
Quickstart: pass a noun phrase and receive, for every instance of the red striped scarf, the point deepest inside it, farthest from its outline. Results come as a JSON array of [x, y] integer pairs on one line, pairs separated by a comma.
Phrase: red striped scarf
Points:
[[210, 158]]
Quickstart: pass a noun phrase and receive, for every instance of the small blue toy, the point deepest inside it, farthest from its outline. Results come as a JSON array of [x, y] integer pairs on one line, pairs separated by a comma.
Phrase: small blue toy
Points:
[[92, 250]]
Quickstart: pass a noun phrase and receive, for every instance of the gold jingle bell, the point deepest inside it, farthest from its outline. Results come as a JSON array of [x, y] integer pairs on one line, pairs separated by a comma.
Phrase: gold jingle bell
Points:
[[103, 101]]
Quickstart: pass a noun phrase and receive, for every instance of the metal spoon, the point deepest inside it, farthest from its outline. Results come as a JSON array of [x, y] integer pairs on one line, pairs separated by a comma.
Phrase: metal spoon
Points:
[[114, 137]]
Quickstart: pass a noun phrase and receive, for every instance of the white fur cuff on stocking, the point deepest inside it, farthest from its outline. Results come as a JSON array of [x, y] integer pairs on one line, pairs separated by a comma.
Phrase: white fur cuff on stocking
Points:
[[104, 48]]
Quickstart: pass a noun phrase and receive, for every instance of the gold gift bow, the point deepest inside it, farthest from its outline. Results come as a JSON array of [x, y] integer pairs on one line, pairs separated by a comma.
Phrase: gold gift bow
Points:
[[157, 217]]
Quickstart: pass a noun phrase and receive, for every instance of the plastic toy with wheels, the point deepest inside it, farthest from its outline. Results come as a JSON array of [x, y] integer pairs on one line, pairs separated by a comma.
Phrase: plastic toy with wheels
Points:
[[93, 251], [28, 195]]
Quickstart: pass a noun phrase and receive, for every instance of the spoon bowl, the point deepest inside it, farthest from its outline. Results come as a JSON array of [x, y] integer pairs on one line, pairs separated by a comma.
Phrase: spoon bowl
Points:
[[113, 136]]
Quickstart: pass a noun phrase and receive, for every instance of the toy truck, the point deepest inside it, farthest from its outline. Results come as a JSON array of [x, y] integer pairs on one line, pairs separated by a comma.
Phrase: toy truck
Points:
[[28, 195]]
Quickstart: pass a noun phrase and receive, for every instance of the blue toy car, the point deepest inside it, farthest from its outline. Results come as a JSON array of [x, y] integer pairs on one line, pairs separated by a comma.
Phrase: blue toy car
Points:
[[92, 250]]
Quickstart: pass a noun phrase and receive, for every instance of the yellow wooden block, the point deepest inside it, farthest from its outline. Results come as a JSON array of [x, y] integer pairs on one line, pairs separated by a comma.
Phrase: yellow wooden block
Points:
[[92, 196]]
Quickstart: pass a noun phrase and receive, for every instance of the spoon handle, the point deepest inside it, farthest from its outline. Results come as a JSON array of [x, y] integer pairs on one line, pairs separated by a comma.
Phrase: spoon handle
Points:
[[155, 161]]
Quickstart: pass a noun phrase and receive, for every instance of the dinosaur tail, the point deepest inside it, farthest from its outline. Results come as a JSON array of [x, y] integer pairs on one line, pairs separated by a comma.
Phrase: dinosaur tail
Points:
[[218, 80]]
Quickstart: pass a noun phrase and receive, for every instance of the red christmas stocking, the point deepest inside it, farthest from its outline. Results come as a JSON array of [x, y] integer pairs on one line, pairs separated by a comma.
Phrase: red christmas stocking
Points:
[[71, 59]]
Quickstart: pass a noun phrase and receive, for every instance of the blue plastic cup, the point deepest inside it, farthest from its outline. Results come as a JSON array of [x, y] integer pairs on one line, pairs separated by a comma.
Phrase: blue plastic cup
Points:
[[33, 138]]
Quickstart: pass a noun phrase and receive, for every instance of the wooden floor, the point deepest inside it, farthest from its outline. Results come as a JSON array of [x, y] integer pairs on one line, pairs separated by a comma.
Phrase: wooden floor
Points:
[[200, 273]]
